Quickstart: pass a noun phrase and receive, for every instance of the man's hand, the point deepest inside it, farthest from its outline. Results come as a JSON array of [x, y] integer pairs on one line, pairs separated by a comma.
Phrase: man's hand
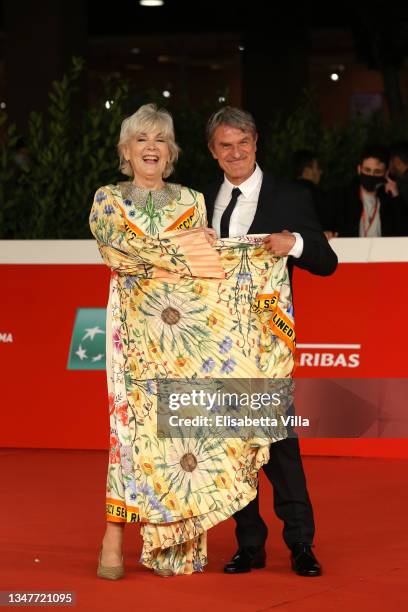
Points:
[[280, 244], [391, 186]]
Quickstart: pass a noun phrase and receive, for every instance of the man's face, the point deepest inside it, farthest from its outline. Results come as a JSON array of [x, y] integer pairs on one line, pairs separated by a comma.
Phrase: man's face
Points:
[[372, 166], [235, 151], [397, 166], [316, 172]]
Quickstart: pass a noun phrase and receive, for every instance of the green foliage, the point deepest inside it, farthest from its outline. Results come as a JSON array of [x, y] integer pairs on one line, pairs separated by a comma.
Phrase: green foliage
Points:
[[71, 152], [196, 167], [338, 148], [69, 157], [10, 191]]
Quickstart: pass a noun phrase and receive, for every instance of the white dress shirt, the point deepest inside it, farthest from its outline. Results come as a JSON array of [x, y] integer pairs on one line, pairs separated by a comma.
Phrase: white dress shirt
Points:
[[245, 208], [370, 221]]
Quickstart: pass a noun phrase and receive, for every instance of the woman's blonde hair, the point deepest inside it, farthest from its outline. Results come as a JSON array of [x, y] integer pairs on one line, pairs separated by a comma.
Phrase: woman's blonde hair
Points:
[[147, 118]]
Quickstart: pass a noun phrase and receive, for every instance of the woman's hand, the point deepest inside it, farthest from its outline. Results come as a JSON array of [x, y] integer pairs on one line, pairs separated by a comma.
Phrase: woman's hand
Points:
[[210, 234]]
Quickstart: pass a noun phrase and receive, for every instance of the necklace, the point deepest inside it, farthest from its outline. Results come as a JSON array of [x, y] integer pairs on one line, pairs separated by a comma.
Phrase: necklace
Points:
[[140, 197]]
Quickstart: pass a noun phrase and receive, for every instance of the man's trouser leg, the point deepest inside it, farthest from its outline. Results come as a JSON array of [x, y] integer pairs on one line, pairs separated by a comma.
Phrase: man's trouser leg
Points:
[[291, 500]]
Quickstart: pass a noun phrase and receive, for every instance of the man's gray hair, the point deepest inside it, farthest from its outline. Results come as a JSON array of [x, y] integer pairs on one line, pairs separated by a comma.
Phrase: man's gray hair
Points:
[[233, 117]]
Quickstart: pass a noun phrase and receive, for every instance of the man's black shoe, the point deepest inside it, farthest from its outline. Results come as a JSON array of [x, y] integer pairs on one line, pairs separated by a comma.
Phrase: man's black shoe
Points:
[[245, 560], [303, 560]]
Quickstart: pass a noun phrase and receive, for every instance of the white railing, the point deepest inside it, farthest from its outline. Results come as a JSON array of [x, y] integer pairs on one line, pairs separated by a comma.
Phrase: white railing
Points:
[[349, 250]]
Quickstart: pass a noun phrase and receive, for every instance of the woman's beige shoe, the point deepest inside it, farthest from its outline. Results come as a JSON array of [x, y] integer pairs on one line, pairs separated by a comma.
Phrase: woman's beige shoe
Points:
[[110, 573], [164, 573]]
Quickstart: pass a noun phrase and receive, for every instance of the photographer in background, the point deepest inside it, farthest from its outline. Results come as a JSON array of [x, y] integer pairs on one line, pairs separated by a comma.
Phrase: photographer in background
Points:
[[307, 172]]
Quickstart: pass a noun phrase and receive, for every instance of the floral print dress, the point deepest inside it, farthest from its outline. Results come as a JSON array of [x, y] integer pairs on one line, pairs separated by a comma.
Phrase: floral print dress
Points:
[[180, 308]]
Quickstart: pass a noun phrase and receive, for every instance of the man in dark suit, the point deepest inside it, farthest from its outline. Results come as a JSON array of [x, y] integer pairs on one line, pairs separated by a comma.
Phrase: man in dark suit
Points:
[[399, 168], [399, 173], [247, 201]]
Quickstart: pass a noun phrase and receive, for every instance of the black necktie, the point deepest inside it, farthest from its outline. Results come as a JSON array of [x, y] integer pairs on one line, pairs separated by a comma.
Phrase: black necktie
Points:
[[226, 215]]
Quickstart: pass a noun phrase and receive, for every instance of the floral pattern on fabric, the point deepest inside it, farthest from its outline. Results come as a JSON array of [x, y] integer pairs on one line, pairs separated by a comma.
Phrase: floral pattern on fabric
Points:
[[180, 308]]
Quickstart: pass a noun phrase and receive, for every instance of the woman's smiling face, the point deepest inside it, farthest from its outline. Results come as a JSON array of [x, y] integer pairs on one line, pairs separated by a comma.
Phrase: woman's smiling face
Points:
[[148, 153]]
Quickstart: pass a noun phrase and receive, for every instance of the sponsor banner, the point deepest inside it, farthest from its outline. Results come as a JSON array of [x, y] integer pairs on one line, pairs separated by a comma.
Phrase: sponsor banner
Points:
[[52, 342], [329, 355], [88, 343], [342, 327], [6, 337]]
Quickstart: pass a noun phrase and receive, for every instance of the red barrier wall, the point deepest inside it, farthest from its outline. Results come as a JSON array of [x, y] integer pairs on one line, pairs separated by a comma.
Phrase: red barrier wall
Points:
[[44, 405]]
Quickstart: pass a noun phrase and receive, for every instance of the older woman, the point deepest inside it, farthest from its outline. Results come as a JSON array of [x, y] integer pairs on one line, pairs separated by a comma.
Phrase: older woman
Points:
[[181, 307]]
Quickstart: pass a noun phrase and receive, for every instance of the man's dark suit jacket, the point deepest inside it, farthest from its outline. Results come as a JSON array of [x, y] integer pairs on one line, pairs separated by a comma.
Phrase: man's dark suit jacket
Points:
[[281, 206], [322, 203], [349, 208]]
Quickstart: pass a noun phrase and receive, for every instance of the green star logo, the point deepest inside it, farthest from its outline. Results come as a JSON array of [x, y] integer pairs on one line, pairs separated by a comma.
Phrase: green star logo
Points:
[[88, 342]]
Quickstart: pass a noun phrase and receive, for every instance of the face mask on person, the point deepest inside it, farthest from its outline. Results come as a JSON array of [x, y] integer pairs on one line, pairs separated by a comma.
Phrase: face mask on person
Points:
[[370, 183]]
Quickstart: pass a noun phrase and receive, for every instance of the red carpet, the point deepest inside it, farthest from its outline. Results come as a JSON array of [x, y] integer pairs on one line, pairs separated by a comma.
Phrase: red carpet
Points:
[[52, 510]]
